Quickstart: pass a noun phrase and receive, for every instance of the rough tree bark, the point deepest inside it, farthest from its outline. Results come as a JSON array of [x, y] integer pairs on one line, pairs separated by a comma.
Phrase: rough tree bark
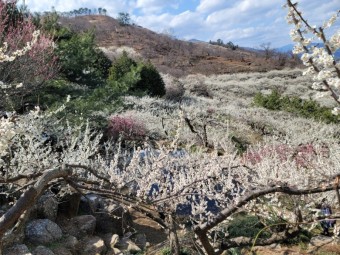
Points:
[[173, 238]]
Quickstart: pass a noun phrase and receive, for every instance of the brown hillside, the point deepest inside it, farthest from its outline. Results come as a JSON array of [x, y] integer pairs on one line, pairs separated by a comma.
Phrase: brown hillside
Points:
[[174, 56]]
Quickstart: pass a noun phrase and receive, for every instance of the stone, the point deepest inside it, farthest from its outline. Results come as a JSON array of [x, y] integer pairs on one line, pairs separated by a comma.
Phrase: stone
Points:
[[61, 251], [18, 249], [71, 243], [80, 226], [47, 207], [42, 250], [110, 216], [92, 245], [319, 241], [68, 202], [113, 219], [140, 240], [91, 203], [110, 240], [127, 244], [42, 231], [114, 251]]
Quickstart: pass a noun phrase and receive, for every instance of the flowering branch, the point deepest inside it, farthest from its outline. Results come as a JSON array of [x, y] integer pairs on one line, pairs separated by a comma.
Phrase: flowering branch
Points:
[[320, 61]]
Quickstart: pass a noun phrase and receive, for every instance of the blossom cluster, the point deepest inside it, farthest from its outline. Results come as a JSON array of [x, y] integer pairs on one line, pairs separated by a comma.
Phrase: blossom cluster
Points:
[[320, 62], [11, 56]]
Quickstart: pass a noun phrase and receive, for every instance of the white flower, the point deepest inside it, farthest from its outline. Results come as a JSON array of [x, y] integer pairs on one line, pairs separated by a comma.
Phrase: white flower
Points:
[[305, 57], [336, 111], [306, 42], [298, 49], [330, 22]]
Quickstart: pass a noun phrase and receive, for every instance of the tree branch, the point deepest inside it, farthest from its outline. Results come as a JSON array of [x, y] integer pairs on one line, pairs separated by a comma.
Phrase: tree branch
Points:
[[202, 229], [29, 197]]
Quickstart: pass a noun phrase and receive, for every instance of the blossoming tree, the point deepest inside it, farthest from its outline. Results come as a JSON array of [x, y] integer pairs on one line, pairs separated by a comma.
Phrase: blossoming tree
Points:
[[27, 55], [212, 186]]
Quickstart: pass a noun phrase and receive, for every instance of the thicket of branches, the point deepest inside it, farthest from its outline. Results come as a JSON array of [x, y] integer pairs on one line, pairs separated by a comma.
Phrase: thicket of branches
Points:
[[213, 183]]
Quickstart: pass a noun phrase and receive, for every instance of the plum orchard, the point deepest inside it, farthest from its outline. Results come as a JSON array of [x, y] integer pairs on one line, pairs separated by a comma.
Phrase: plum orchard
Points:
[[213, 186]]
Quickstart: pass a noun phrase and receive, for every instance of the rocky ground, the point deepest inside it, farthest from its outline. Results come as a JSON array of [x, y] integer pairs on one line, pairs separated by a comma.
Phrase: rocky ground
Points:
[[100, 226]]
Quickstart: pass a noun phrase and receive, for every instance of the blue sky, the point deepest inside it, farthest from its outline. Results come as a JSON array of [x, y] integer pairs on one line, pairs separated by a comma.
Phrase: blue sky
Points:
[[247, 23]]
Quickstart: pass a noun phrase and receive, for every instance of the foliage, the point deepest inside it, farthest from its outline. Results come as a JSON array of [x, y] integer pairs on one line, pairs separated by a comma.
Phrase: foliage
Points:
[[229, 45], [167, 251], [124, 18], [77, 157], [303, 236], [121, 66], [305, 108], [126, 127], [54, 92], [94, 105], [28, 54], [151, 81], [125, 70], [49, 23], [81, 61], [247, 226]]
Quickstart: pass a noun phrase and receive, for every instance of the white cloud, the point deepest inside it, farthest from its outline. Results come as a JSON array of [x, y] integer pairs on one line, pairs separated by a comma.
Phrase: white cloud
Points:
[[155, 6], [61, 5], [155, 22], [247, 22], [206, 6]]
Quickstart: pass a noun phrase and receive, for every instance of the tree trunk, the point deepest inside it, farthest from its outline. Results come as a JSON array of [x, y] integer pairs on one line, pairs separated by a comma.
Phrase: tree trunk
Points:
[[173, 238], [202, 236]]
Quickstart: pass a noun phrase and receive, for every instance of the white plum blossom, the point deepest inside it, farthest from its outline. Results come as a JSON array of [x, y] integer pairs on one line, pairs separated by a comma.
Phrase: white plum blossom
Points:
[[320, 61], [330, 22], [298, 49], [336, 111]]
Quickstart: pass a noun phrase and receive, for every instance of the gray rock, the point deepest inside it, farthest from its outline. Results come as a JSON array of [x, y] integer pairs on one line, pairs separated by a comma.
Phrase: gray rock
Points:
[[61, 251], [69, 202], [113, 219], [80, 226], [114, 251], [47, 207], [71, 243], [42, 250], [127, 244], [91, 203], [42, 231], [18, 249], [93, 245], [140, 240], [110, 240], [110, 216]]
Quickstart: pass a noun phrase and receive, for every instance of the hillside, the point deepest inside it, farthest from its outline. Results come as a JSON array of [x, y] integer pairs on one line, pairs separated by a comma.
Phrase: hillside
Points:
[[170, 55]]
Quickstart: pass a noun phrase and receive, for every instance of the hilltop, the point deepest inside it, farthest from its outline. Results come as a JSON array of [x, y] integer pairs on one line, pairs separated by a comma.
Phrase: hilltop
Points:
[[171, 55]]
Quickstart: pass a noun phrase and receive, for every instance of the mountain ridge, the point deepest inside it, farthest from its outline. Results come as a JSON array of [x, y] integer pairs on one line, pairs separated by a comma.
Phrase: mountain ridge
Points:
[[171, 55]]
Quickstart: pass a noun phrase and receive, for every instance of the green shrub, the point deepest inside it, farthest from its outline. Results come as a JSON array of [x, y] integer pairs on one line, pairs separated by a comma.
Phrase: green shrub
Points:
[[303, 108], [247, 226], [271, 102], [150, 81], [121, 66], [137, 78], [81, 61]]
